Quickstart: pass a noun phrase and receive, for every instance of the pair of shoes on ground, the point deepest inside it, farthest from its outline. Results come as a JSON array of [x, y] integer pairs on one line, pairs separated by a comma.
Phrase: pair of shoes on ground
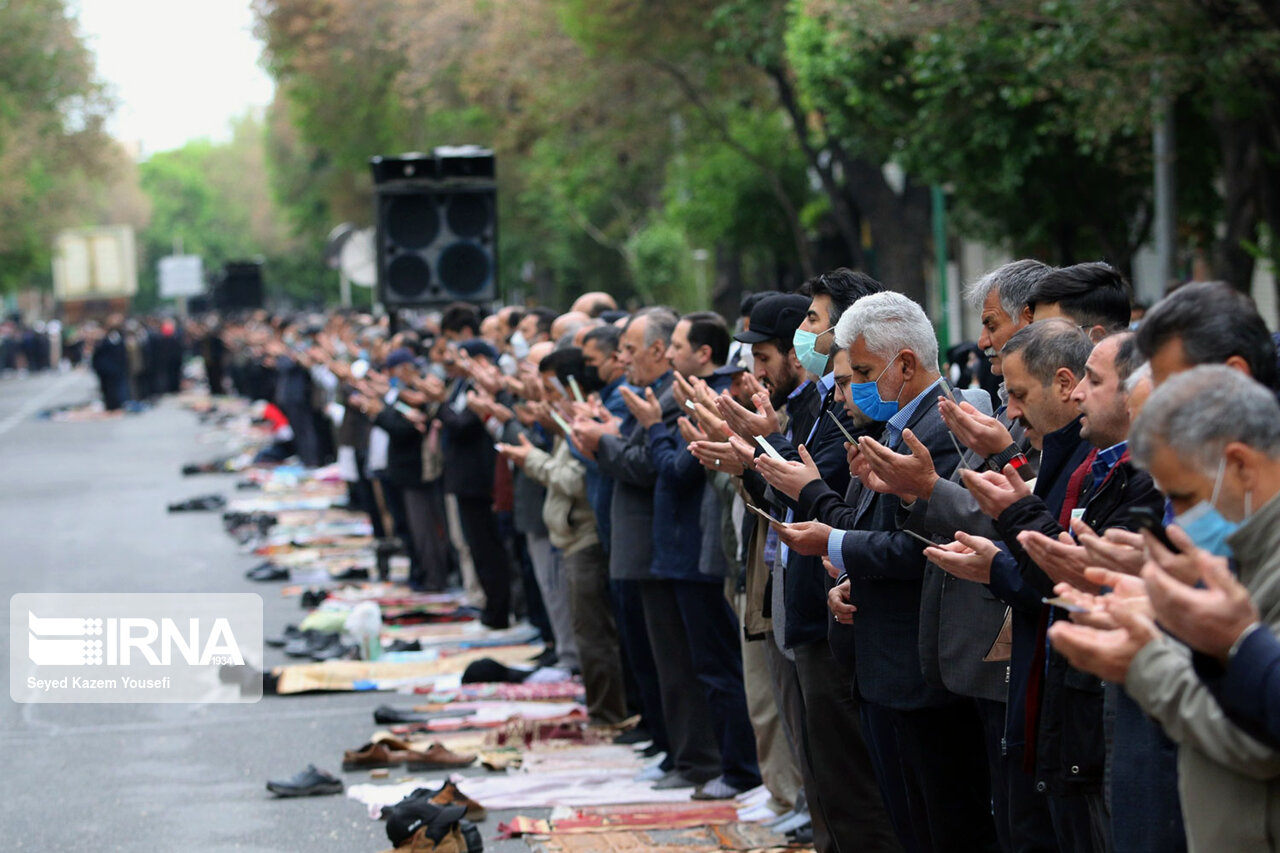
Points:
[[319, 646], [392, 752], [447, 794], [267, 571]]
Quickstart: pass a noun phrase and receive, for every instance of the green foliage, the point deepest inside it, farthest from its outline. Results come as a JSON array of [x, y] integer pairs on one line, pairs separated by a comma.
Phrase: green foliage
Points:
[[660, 260], [52, 145]]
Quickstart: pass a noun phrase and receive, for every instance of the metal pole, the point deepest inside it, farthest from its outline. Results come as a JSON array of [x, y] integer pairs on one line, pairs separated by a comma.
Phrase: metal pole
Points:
[[344, 290], [1165, 222], [943, 323]]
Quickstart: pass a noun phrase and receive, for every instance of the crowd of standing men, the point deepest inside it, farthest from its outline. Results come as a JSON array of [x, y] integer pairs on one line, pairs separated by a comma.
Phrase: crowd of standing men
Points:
[[926, 617]]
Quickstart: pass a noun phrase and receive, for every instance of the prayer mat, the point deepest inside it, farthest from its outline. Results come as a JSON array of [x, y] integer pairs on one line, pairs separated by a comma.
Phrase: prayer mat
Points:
[[354, 675], [550, 692], [519, 790], [647, 816], [702, 840]]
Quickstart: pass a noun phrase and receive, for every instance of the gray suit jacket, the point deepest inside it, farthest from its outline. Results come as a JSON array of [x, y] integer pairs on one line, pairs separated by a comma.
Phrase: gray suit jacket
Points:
[[626, 458], [959, 620]]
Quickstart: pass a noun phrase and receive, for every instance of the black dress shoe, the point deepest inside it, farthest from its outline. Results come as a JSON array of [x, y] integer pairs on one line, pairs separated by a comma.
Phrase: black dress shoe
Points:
[[385, 715], [336, 650], [637, 735], [313, 598], [404, 646], [309, 643], [291, 632], [353, 573], [307, 783], [651, 751], [269, 572]]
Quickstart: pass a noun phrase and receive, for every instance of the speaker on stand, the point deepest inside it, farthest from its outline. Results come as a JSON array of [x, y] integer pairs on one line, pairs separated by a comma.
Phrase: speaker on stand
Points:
[[437, 227]]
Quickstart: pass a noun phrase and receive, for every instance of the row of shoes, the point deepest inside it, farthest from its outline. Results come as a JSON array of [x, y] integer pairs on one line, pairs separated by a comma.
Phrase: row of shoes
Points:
[[394, 752], [234, 520], [267, 571], [317, 645], [199, 504]]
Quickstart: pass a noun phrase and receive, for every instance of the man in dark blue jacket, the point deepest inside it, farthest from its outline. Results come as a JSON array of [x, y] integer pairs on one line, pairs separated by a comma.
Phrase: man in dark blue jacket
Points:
[[685, 604], [930, 737]]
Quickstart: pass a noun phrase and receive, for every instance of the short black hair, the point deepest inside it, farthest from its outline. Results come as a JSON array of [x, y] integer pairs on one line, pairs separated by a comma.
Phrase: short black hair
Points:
[[565, 362], [546, 316], [514, 315], [605, 338], [1214, 321], [707, 328], [844, 286], [1092, 294], [459, 316], [1128, 359], [1047, 346]]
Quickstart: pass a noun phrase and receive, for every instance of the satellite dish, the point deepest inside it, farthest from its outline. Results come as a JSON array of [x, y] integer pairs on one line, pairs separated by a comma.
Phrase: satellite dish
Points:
[[358, 258]]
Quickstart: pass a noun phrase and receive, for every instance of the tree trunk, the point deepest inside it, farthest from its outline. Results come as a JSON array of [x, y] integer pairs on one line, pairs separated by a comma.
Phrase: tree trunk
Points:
[[726, 296], [900, 227], [1232, 262]]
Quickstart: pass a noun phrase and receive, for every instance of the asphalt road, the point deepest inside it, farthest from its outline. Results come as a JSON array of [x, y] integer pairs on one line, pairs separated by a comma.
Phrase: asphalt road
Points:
[[83, 509]]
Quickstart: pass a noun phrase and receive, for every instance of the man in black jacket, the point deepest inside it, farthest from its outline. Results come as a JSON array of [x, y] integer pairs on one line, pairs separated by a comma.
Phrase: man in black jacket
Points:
[[844, 799], [934, 737], [1064, 705], [469, 458]]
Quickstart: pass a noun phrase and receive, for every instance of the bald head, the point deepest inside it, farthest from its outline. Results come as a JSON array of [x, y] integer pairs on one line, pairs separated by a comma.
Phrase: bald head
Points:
[[594, 304]]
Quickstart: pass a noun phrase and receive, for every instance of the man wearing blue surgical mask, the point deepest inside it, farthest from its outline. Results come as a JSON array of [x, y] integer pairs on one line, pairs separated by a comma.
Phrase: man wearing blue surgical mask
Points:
[[1210, 438]]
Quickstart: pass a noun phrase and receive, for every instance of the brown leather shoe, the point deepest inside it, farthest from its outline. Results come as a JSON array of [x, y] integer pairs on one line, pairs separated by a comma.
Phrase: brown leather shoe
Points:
[[449, 795], [383, 753], [438, 757]]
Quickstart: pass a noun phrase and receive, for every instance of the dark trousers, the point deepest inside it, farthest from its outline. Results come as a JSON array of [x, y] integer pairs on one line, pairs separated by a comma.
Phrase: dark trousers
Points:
[[948, 787], [712, 630], [360, 496], [633, 632], [1030, 824], [882, 742], [1080, 822], [595, 633], [1146, 816], [115, 390], [424, 511], [841, 784], [480, 528], [684, 708], [991, 716]]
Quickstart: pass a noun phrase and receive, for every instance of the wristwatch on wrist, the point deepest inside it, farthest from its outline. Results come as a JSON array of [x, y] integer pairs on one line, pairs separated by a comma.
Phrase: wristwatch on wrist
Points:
[[1011, 455]]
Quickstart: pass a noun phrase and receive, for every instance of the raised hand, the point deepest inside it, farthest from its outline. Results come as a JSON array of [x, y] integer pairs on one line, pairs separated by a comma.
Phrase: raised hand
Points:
[[980, 433]]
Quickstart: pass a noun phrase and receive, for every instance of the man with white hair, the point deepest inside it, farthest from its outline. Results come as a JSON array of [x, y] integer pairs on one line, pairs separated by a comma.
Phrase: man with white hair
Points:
[[925, 739]]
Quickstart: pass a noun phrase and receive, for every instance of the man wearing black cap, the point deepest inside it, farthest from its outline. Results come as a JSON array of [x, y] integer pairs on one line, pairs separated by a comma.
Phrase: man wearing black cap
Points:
[[468, 476], [844, 798]]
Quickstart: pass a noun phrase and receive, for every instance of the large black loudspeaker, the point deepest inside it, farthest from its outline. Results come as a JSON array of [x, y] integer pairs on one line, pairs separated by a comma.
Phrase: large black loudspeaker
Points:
[[239, 287], [437, 227]]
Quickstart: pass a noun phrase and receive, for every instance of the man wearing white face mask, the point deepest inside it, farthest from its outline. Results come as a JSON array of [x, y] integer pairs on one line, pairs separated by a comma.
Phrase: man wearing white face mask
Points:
[[1211, 439]]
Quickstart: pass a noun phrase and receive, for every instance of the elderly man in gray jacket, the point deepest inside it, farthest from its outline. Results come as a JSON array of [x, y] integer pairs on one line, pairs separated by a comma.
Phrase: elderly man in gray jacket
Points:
[[1211, 439]]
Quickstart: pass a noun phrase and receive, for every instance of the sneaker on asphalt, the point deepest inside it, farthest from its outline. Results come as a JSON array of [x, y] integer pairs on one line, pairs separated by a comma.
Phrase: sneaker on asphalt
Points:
[[307, 783], [753, 796], [673, 781]]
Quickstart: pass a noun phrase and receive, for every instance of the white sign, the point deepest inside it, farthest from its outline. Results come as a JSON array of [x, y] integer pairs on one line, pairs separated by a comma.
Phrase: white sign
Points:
[[94, 263], [181, 275]]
